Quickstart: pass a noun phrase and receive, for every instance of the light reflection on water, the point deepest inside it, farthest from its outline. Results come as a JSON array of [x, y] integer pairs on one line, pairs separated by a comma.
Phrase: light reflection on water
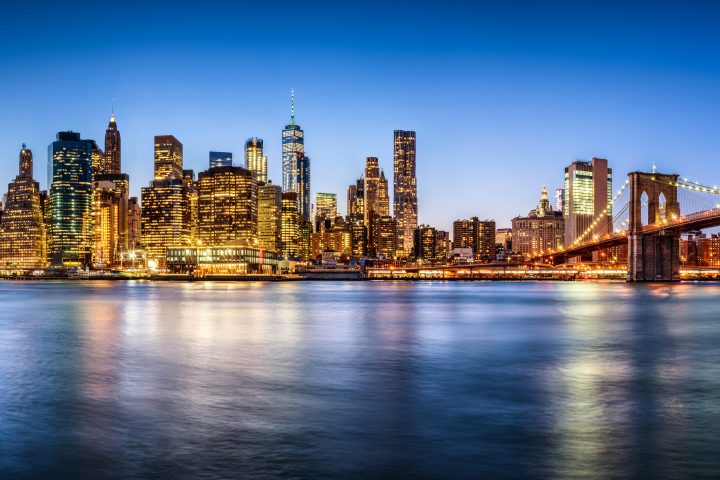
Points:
[[356, 379]]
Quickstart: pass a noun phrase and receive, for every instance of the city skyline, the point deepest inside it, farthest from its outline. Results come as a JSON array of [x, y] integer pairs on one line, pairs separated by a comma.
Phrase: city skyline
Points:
[[536, 88]]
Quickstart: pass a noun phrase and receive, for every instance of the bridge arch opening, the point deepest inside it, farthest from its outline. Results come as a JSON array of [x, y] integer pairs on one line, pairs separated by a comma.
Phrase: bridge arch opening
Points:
[[662, 211], [644, 210]]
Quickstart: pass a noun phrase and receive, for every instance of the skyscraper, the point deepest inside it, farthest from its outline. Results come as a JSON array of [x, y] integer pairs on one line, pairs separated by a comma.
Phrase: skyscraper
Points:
[[110, 200], [295, 164], [376, 190], [22, 229], [270, 217], [588, 192], [168, 157], [227, 207], [112, 162], [255, 160], [70, 176], [109, 218], [290, 229], [351, 200], [326, 207], [220, 159], [303, 188], [405, 207], [166, 216]]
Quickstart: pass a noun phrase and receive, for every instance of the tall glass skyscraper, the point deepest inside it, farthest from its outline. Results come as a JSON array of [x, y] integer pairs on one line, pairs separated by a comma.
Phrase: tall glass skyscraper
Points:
[[588, 192], [303, 187], [405, 190], [295, 165], [70, 177], [255, 160], [220, 159]]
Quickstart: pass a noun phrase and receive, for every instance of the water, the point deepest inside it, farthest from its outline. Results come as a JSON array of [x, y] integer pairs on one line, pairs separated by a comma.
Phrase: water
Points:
[[359, 379]]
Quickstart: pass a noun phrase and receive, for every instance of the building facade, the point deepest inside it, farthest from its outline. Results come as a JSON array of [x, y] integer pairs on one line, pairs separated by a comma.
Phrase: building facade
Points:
[[220, 159], [541, 230], [476, 234], [325, 208], [168, 157], [227, 207], [167, 214], [255, 159], [587, 194], [290, 228], [70, 197], [22, 227], [405, 204], [270, 216]]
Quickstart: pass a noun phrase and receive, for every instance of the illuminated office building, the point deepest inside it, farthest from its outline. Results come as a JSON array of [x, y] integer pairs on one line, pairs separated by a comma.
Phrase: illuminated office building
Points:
[[112, 158], [386, 240], [325, 208], [541, 230], [337, 239], [425, 244], [588, 193], [192, 192], [109, 218], [405, 205], [110, 200], [305, 230], [166, 218], [479, 235], [351, 202], [220, 159], [270, 217], [303, 188], [22, 227], [227, 207], [134, 241], [168, 157], [70, 174], [290, 228], [443, 246], [356, 201], [358, 236], [255, 160]]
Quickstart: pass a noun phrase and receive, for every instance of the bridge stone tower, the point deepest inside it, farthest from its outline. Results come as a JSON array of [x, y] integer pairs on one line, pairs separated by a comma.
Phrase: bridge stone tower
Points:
[[653, 257]]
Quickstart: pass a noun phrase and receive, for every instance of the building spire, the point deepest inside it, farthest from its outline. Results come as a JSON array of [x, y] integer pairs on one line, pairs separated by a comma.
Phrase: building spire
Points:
[[112, 113], [292, 107]]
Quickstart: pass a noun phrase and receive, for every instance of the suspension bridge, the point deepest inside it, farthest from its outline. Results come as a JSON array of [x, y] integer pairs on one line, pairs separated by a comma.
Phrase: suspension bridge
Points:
[[647, 214]]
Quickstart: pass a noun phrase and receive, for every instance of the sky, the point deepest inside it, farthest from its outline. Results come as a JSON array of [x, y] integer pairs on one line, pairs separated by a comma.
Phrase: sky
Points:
[[502, 95]]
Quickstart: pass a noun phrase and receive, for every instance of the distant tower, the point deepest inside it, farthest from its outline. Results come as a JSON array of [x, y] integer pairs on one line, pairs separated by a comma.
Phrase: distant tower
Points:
[[295, 165], [112, 148], [22, 232], [255, 160], [405, 203]]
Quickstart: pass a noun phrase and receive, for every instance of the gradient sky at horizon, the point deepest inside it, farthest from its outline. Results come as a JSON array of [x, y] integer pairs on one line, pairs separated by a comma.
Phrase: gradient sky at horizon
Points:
[[502, 95]]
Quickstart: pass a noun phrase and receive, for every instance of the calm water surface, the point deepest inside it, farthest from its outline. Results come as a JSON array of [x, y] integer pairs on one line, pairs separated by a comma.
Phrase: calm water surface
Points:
[[359, 379]]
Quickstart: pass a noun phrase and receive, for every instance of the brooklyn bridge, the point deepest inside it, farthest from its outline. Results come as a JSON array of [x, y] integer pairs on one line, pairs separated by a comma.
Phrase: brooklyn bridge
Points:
[[658, 209]]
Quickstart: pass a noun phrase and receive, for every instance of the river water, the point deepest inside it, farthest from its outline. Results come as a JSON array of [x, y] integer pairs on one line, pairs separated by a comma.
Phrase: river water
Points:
[[359, 379]]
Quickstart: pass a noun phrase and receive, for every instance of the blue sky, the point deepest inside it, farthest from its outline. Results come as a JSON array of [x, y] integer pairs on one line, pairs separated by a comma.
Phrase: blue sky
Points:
[[503, 95]]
